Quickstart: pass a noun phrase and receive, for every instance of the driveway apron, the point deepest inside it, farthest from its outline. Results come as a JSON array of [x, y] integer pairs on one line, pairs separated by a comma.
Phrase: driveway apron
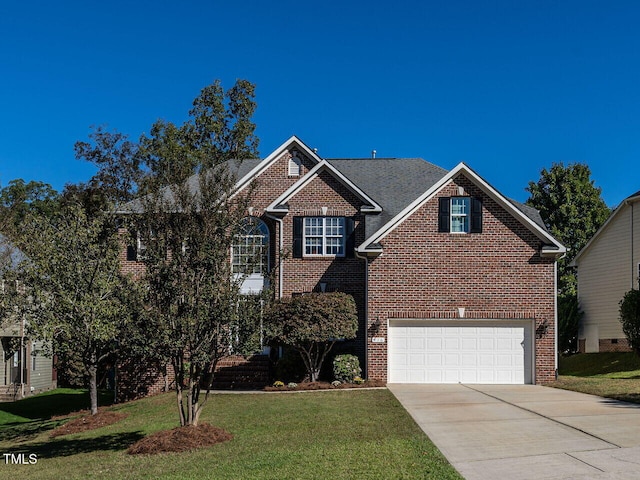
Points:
[[520, 432]]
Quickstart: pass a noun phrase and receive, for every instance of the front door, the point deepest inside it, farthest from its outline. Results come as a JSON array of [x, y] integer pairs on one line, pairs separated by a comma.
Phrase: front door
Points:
[[17, 372]]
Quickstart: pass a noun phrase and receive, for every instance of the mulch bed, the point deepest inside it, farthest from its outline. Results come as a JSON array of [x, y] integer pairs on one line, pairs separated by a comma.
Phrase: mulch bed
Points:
[[88, 422], [325, 386], [180, 439]]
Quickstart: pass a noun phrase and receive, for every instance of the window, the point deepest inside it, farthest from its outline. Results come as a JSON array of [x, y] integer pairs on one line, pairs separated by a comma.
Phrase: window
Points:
[[250, 252], [324, 236], [460, 215]]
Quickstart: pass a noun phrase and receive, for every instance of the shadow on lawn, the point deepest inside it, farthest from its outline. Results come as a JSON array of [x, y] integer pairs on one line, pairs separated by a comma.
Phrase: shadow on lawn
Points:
[[45, 406], [27, 430], [67, 447]]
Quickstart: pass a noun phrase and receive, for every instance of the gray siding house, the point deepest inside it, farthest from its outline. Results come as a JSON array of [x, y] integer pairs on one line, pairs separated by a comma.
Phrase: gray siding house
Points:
[[23, 371], [608, 267]]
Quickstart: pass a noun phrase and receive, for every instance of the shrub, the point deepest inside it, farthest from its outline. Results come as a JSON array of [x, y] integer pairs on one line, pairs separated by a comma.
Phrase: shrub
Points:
[[358, 380], [630, 318], [278, 384], [292, 385], [346, 368], [312, 324], [336, 383]]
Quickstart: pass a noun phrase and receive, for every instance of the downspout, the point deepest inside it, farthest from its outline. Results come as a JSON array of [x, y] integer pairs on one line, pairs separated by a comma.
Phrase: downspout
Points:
[[366, 312], [555, 309], [280, 262], [633, 266], [22, 359]]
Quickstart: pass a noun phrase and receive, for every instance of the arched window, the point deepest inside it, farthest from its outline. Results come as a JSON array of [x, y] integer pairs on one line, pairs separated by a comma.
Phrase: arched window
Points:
[[250, 252]]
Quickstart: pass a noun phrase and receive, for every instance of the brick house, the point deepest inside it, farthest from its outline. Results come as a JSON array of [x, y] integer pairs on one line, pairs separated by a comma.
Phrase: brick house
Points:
[[453, 281]]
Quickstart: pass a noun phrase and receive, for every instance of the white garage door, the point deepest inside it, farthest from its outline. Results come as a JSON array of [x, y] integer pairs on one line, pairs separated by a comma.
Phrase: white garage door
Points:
[[480, 352]]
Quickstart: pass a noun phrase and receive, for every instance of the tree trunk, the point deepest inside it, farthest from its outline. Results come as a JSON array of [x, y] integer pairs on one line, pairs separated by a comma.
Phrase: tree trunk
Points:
[[93, 384]]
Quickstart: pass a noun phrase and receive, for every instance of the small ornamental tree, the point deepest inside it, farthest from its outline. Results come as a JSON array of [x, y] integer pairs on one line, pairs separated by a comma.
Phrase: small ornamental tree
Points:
[[312, 324], [630, 318]]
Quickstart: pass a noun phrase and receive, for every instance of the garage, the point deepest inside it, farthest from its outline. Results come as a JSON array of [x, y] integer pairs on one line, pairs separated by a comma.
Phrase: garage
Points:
[[426, 351]]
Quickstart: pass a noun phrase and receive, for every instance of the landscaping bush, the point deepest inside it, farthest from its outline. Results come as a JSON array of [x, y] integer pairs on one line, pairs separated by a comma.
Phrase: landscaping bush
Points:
[[346, 368], [630, 318]]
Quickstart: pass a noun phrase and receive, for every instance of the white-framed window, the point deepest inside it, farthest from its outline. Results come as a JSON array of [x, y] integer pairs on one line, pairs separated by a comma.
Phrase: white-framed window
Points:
[[250, 252], [460, 215], [324, 236], [295, 165], [460, 207]]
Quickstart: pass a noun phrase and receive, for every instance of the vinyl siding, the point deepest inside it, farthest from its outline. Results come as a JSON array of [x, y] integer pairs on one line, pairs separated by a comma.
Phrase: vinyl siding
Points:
[[41, 376], [606, 271]]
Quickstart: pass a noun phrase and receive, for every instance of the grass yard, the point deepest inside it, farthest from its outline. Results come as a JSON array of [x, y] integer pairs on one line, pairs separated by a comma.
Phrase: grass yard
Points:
[[612, 375], [325, 434]]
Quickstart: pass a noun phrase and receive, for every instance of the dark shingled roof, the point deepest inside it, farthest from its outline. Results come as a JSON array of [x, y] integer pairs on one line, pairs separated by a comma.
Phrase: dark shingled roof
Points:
[[637, 194], [392, 182]]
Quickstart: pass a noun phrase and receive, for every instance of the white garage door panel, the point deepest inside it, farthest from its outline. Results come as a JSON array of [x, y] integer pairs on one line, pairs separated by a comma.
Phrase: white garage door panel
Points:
[[465, 354]]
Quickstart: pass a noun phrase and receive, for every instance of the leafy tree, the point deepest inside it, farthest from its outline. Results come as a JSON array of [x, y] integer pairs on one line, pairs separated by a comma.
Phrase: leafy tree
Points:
[[192, 300], [118, 162], [187, 226], [312, 324], [76, 294], [19, 198], [572, 208], [630, 318]]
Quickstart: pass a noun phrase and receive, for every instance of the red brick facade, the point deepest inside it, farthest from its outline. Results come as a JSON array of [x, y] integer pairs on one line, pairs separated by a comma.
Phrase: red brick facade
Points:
[[497, 274]]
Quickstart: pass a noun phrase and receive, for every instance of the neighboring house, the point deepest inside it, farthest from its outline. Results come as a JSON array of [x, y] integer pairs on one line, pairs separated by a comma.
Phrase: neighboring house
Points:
[[608, 267], [453, 281], [23, 371]]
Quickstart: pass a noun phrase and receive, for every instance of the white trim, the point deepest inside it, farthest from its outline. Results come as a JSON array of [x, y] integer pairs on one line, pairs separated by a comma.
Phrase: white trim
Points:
[[292, 142], [311, 175], [618, 209], [461, 168], [324, 237]]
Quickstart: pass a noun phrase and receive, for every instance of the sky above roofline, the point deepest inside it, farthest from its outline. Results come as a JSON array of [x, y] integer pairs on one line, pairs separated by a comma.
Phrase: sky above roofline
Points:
[[507, 87]]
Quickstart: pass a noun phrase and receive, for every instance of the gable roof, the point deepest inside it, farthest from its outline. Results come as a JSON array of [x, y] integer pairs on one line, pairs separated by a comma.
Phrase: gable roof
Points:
[[279, 204], [392, 188], [627, 201], [392, 182], [261, 165], [552, 246]]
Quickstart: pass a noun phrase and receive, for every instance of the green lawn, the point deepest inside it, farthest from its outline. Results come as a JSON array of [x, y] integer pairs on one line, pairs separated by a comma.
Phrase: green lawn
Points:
[[612, 375], [330, 434]]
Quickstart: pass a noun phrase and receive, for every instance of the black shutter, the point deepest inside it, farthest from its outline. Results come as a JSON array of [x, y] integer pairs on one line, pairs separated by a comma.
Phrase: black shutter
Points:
[[444, 214], [350, 235], [297, 237], [476, 215]]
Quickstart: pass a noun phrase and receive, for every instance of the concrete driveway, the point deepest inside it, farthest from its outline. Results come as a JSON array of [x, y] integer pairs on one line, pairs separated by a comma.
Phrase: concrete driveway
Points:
[[522, 432]]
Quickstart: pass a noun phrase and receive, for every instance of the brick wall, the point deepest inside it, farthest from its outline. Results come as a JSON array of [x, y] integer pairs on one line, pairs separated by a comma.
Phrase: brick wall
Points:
[[496, 274], [614, 345]]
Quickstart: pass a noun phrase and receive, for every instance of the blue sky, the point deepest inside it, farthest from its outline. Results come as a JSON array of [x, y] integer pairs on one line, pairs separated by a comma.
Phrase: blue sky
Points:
[[509, 87]]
